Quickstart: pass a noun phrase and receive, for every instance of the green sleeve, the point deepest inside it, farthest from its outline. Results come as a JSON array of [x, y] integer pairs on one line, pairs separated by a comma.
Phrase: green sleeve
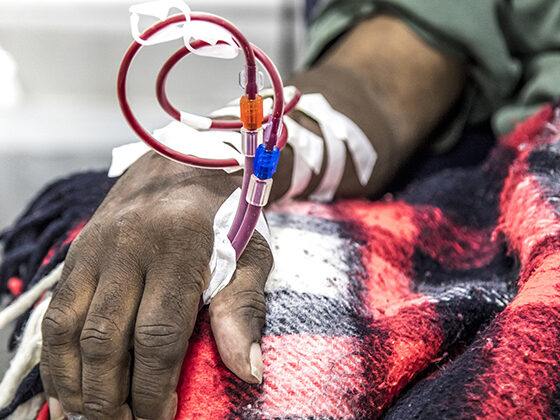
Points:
[[533, 31], [511, 47]]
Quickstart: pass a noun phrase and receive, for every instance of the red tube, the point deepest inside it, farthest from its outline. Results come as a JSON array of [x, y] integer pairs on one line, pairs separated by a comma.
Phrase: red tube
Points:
[[164, 102], [247, 215], [246, 231], [136, 126], [242, 207]]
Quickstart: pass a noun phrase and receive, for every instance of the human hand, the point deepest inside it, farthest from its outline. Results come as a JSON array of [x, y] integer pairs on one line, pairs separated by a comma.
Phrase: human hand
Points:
[[118, 325]]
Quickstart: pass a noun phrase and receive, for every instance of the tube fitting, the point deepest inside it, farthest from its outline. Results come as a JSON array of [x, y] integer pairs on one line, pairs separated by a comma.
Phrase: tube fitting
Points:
[[266, 162], [258, 191], [250, 140]]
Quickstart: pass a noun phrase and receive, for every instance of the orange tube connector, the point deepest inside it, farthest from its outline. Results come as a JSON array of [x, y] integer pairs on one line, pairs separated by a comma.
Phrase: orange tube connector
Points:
[[252, 113]]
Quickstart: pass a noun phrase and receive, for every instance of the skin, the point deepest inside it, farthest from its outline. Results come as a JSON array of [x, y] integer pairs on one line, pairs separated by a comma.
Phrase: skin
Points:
[[119, 322]]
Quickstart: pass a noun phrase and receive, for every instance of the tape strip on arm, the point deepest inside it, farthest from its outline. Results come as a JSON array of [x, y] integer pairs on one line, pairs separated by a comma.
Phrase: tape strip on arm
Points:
[[316, 107], [308, 153], [338, 129]]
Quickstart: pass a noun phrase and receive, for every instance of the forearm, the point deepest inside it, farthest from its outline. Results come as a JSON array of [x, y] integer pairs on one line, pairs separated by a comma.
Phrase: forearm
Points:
[[387, 81], [392, 85]]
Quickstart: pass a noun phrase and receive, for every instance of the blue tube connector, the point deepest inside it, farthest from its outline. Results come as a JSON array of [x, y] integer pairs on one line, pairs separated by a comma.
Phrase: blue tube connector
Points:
[[266, 162]]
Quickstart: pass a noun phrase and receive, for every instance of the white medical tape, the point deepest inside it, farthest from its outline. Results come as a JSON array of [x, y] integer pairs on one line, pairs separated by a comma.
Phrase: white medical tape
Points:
[[227, 111], [159, 9], [316, 107], [213, 144], [124, 156], [196, 121], [211, 34], [222, 261], [362, 151], [301, 177], [289, 93], [188, 30], [336, 128], [308, 153], [306, 143]]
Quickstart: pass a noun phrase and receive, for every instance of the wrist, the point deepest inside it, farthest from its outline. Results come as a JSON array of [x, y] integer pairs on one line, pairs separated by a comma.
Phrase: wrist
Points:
[[344, 92], [154, 177], [283, 176]]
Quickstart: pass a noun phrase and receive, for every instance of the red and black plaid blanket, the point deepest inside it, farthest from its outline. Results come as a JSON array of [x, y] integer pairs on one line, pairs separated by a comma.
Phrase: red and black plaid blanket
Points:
[[440, 303]]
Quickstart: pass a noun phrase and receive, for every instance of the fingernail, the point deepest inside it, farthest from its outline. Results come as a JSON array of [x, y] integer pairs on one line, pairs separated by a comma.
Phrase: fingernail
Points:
[[169, 409], [55, 409], [125, 413], [255, 357], [128, 415]]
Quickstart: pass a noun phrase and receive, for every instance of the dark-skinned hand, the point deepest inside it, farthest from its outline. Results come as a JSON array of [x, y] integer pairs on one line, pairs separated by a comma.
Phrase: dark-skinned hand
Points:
[[117, 328]]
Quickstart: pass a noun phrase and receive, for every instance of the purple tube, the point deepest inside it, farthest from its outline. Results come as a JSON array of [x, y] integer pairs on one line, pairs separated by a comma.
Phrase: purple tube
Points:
[[242, 207], [246, 231]]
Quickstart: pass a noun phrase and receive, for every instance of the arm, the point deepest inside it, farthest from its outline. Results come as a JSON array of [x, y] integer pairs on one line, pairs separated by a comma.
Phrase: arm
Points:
[[390, 83], [129, 295]]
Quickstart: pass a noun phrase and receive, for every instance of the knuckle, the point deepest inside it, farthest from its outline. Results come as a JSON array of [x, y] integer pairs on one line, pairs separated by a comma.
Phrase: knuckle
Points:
[[189, 279], [85, 244], [60, 326], [144, 394], [243, 304], [99, 408], [100, 338], [159, 346]]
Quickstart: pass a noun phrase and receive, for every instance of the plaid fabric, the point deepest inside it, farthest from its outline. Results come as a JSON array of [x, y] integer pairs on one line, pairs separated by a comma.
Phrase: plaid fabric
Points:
[[441, 303], [444, 303]]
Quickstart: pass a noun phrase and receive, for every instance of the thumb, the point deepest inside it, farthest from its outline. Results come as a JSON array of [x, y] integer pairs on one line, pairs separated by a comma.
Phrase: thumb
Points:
[[237, 312]]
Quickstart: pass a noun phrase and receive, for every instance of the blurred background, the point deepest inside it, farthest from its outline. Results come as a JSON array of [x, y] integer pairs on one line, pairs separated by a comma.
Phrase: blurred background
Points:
[[58, 69]]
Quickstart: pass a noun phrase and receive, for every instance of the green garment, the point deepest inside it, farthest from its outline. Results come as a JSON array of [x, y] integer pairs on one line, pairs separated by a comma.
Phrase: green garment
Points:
[[512, 48]]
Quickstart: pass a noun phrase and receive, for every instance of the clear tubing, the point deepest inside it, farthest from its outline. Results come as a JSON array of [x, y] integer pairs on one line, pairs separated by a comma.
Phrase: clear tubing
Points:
[[241, 208], [246, 230]]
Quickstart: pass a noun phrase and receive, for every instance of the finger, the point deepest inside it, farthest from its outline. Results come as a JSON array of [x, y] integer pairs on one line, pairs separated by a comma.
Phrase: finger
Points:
[[106, 342], [55, 408], [237, 313], [48, 384], [61, 329], [165, 322]]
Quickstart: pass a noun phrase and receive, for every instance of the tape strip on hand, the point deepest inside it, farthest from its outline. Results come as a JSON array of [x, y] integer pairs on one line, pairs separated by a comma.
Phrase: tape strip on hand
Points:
[[213, 144], [223, 262]]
